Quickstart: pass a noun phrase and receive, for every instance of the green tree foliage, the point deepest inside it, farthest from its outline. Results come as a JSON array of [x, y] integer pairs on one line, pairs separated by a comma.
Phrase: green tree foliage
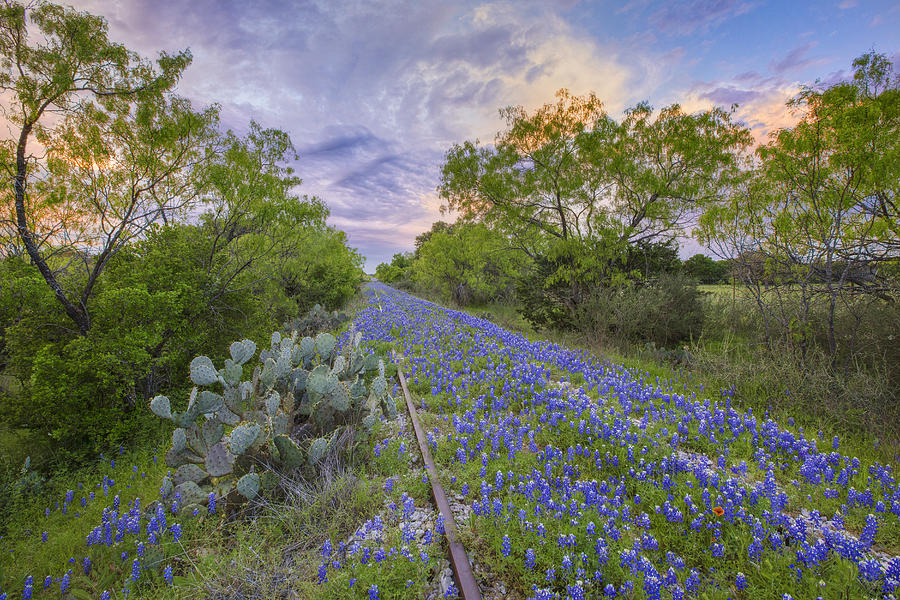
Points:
[[468, 263], [436, 227], [120, 147], [664, 312], [553, 286], [815, 229], [257, 225], [648, 259], [106, 290], [395, 271], [157, 306], [706, 270], [575, 190]]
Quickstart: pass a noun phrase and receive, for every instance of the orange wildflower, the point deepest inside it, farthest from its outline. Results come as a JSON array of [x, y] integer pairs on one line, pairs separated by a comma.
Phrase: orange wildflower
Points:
[[719, 511]]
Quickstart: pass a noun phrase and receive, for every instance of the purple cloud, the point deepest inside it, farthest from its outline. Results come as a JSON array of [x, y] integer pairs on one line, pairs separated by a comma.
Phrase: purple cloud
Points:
[[687, 16], [728, 95], [373, 93], [794, 60]]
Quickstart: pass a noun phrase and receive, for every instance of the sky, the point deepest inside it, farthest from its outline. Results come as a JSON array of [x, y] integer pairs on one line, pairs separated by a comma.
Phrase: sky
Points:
[[373, 94]]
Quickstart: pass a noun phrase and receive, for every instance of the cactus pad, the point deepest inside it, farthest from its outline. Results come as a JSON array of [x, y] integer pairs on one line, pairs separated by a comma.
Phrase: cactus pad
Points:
[[370, 362], [281, 424], [340, 364], [190, 493], [160, 407], [319, 383], [308, 347], [272, 403], [248, 486], [226, 417], [291, 454], [212, 431], [379, 386], [267, 377], [325, 344], [167, 486], [339, 398], [179, 440], [189, 473], [242, 351], [219, 460], [317, 451], [208, 402], [358, 389], [298, 382], [242, 437], [232, 372], [203, 372], [389, 407]]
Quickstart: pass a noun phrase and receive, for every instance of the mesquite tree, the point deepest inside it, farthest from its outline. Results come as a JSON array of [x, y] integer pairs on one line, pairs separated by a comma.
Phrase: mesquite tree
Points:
[[102, 148], [573, 188], [815, 233]]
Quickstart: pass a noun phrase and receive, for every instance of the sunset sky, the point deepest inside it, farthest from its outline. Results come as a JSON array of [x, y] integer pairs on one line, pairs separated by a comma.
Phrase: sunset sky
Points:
[[374, 93]]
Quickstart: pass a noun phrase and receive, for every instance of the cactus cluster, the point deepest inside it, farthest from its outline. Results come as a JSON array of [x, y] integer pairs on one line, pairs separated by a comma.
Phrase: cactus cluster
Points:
[[317, 319], [289, 414]]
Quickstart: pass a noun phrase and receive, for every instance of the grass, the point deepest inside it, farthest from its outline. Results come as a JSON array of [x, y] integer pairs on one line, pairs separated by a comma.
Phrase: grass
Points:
[[24, 552]]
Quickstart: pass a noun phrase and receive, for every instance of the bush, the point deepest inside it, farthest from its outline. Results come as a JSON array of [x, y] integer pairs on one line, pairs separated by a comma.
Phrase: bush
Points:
[[706, 270], [160, 302], [664, 312], [862, 400]]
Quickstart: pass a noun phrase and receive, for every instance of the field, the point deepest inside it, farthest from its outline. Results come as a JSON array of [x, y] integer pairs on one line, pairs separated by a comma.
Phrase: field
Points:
[[570, 478]]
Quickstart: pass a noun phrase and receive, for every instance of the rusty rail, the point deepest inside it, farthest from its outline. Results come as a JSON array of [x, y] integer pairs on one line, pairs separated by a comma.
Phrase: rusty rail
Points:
[[459, 560]]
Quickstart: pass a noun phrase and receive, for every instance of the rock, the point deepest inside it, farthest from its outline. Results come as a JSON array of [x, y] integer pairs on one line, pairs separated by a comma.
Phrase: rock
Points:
[[446, 580]]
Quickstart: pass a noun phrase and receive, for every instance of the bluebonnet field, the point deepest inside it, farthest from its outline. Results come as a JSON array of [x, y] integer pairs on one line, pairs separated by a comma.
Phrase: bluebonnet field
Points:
[[588, 480], [583, 480]]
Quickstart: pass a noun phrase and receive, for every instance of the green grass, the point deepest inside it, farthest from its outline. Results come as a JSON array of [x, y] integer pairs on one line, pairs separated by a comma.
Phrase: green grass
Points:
[[22, 551], [271, 550]]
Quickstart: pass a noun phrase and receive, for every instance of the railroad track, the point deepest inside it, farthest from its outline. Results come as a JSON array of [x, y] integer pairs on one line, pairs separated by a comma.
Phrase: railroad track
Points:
[[459, 560]]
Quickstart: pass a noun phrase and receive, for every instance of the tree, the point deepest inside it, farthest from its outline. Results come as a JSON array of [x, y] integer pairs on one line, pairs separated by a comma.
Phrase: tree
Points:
[[659, 171], [422, 238], [396, 270], [574, 189], [704, 269], [569, 171], [651, 259], [819, 213], [120, 148], [257, 225], [468, 263], [531, 184]]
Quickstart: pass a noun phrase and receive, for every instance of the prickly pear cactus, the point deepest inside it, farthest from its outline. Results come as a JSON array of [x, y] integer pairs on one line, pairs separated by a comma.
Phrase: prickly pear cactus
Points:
[[232, 425], [317, 319]]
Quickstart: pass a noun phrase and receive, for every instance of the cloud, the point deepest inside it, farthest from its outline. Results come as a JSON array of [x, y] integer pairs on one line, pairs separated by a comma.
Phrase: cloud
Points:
[[727, 95], [795, 60], [688, 16], [761, 101], [372, 93]]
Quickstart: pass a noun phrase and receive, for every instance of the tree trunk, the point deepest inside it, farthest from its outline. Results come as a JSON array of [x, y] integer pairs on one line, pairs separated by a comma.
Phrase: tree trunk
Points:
[[78, 314]]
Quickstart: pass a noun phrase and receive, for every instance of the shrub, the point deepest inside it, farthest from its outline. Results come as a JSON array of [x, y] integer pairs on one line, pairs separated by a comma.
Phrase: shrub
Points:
[[664, 312]]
